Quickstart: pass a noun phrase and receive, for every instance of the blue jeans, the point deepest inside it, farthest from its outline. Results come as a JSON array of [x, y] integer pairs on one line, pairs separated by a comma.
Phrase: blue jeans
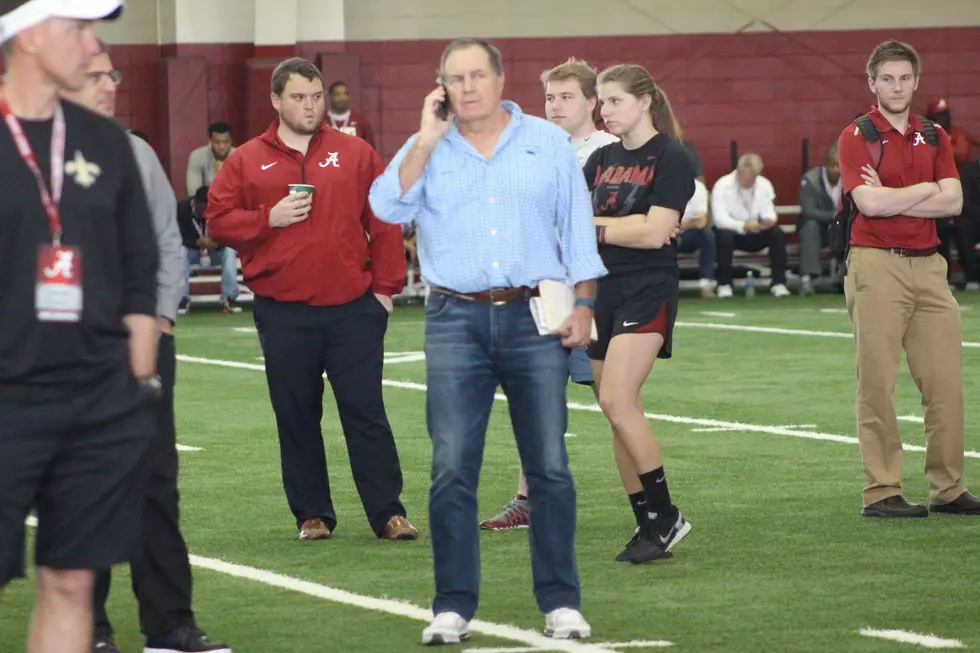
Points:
[[229, 270], [702, 241], [470, 348]]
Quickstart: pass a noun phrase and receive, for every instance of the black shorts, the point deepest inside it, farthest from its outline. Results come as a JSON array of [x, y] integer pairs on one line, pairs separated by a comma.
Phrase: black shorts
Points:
[[636, 302], [79, 462]]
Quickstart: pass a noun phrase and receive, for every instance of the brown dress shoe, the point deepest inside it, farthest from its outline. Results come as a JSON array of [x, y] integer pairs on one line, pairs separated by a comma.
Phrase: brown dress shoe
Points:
[[314, 529], [399, 528]]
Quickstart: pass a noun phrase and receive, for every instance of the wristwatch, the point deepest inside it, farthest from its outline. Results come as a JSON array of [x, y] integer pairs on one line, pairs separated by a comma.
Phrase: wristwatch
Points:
[[151, 387]]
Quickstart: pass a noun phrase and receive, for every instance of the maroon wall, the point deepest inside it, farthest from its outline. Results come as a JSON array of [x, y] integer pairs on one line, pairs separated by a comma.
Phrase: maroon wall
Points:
[[765, 90]]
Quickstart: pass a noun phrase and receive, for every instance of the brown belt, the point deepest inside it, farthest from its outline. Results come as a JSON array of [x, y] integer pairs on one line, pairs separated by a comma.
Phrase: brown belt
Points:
[[495, 295], [911, 253]]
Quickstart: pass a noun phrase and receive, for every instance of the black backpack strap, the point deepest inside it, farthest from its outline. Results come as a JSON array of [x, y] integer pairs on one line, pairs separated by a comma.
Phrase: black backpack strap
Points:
[[871, 135], [868, 130], [929, 131]]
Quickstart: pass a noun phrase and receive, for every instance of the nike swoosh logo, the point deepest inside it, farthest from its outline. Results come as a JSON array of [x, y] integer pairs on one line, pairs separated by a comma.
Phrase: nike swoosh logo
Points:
[[269, 165], [661, 479], [665, 538], [629, 324]]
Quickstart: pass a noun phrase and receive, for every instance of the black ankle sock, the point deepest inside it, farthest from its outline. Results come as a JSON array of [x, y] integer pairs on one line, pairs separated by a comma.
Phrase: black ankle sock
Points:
[[657, 494], [638, 502]]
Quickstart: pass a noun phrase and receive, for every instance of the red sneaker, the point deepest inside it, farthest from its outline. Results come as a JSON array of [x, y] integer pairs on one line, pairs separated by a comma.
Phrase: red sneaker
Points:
[[514, 515]]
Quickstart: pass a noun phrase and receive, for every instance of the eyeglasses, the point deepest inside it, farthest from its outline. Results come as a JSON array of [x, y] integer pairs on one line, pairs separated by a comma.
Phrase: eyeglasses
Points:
[[115, 75]]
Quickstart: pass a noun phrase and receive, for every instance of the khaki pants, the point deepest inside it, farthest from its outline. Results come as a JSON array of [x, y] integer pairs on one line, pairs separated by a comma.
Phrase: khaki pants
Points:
[[898, 302]]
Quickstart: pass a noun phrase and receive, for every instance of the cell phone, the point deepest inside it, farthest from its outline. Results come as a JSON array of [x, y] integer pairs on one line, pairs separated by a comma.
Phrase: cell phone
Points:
[[442, 111]]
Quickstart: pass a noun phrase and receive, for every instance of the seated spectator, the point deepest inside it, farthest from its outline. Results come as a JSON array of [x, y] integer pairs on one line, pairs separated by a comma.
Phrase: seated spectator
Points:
[[697, 236], [199, 249], [820, 193], [743, 208], [960, 231], [410, 238], [204, 163]]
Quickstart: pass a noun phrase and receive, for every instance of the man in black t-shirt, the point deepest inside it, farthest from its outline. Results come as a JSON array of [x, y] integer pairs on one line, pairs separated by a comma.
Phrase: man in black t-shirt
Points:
[[78, 296]]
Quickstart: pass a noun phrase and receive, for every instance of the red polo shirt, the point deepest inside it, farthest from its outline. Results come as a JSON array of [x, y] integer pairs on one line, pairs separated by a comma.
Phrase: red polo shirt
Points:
[[906, 160]]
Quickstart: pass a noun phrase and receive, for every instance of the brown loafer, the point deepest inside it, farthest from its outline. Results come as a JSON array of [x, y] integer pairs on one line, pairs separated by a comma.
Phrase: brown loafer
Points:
[[314, 529], [399, 528]]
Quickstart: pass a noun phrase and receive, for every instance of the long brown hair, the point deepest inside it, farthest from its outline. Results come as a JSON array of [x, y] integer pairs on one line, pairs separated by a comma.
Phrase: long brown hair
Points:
[[636, 81]]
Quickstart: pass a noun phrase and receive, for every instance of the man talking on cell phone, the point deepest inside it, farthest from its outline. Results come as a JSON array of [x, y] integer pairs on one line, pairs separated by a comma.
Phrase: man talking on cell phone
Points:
[[78, 264], [501, 204]]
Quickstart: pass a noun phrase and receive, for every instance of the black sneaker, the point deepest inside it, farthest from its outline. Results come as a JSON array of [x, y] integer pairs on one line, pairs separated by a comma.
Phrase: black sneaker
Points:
[[655, 542], [104, 643], [624, 556], [186, 639], [184, 307]]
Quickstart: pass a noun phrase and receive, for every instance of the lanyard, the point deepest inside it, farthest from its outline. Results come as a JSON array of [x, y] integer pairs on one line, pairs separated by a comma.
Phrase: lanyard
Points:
[[48, 199]]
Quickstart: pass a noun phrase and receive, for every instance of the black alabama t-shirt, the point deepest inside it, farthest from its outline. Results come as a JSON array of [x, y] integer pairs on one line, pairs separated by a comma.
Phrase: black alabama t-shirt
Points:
[[626, 182]]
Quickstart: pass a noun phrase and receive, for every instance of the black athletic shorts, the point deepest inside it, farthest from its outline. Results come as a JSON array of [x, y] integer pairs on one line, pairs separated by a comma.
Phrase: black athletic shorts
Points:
[[78, 461], [636, 302]]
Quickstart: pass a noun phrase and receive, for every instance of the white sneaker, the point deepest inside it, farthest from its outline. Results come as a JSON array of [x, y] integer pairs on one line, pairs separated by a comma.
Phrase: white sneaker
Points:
[[724, 292], [446, 628], [566, 623], [779, 290]]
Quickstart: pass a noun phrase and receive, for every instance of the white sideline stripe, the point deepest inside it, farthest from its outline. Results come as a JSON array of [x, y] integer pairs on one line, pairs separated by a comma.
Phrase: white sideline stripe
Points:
[[750, 329], [536, 641], [833, 310], [718, 430], [528, 649], [915, 419], [785, 332], [717, 314], [696, 421], [905, 637], [184, 447], [570, 435]]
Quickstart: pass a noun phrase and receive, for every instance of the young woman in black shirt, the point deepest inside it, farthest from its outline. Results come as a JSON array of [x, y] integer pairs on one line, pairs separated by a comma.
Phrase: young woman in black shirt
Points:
[[640, 187]]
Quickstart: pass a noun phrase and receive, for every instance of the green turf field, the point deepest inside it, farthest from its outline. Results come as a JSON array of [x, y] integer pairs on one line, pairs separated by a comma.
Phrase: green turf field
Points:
[[757, 429]]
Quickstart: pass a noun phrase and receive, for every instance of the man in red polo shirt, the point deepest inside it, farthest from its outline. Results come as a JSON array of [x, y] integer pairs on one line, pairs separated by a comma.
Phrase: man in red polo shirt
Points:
[[897, 293]]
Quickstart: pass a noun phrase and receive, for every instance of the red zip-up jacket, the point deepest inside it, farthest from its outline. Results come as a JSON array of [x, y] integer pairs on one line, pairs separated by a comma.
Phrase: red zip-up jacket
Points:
[[338, 252]]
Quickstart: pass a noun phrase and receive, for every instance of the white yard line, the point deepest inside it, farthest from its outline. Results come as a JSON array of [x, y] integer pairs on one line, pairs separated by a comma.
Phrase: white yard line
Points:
[[717, 314], [915, 419], [785, 332], [674, 419], [534, 641], [905, 637], [657, 643], [184, 447]]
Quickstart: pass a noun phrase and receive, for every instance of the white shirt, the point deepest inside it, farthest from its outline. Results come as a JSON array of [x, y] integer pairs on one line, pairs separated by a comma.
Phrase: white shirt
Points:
[[584, 147], [698, 205], [732, 206]]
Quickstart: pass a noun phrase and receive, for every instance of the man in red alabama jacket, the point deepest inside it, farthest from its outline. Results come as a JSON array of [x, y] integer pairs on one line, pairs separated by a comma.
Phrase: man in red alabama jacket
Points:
[[323, 270]]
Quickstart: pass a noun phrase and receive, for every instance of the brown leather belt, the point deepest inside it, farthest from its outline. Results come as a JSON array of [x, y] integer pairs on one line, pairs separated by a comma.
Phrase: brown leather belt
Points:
[[910, 253], [494, 295]]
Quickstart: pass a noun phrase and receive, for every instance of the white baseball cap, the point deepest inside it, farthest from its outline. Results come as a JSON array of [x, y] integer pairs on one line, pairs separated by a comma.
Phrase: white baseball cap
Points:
[[35, 12]]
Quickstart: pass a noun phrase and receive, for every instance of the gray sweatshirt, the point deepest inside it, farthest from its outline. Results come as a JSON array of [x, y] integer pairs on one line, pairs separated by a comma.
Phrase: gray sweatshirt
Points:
[[163, 208]]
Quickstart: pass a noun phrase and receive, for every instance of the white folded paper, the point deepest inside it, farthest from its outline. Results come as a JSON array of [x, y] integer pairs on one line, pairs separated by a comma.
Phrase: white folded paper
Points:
[[554, 303]]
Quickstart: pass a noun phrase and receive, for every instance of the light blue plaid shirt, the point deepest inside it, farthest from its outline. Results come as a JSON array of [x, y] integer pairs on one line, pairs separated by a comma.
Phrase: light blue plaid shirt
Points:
[[520, 217]]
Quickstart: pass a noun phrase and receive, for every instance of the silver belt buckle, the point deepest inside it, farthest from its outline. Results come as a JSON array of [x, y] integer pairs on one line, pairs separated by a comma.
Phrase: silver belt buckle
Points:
[[492, 300]]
